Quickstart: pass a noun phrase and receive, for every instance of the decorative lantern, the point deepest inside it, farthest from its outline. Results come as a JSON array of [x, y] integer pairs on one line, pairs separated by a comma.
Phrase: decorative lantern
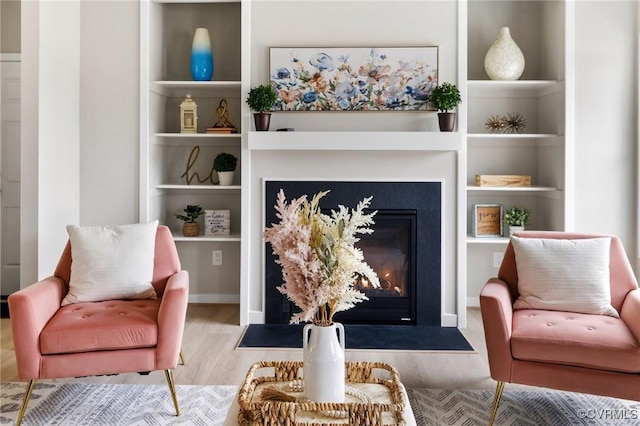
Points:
[[188, 116]]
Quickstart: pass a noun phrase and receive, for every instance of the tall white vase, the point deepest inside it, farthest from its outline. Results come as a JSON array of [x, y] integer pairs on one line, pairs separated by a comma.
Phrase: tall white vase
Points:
[[323, 363], [201, 56], [504, 59]]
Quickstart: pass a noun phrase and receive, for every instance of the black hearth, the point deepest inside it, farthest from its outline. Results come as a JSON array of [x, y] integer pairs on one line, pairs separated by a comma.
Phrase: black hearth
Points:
[[404, 250]]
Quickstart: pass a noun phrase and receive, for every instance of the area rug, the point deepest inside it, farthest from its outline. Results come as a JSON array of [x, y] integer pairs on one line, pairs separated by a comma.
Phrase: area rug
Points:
[[81, 404], [358, 336]]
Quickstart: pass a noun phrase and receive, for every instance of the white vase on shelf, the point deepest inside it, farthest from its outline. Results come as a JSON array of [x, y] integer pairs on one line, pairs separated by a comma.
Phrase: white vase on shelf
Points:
[[504, 59]]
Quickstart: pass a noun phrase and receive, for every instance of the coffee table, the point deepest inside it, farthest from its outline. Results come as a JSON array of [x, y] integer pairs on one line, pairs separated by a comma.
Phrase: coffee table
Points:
[[379, 381]]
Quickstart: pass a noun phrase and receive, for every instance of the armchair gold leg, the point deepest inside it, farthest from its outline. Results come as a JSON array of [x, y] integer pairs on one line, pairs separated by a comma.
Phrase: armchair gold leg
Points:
[[181, 358], [172, 389], [496, 402], [25, 401]]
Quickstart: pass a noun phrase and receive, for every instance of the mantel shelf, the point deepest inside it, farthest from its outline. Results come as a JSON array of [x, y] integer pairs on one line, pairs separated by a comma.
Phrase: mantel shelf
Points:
[[355, 141]]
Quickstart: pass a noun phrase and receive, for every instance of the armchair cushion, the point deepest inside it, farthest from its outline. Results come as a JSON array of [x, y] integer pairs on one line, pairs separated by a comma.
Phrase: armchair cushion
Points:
[[111, 262], [581, 340], [564, 275], [100, 326]]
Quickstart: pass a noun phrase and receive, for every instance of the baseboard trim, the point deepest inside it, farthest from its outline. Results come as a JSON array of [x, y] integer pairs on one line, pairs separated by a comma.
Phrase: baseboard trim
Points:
[[473, 302]]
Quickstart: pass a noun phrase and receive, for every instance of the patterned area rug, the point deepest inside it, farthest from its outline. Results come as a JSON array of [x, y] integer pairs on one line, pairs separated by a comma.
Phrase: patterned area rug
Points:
[[110, 404]]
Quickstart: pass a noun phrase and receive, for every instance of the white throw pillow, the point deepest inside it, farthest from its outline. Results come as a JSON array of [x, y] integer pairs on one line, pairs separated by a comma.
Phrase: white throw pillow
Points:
[[111, 262], [564, 275]]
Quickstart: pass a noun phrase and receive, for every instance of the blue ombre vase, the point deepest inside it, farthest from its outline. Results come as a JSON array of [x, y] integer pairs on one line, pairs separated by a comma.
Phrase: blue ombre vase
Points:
[[201, 56]]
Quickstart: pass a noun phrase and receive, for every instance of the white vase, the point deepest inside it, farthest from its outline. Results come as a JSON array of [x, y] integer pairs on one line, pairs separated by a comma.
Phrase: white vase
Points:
[[201, 56], [504, 59], [513, 229], [323, 363], [225, 178]]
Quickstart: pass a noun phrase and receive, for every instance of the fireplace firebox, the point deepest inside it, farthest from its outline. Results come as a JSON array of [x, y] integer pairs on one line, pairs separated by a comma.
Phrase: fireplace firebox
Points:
[[404, 250]]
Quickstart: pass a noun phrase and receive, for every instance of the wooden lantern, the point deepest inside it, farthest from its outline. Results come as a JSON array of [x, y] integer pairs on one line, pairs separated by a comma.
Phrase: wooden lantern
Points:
[[188, 115]]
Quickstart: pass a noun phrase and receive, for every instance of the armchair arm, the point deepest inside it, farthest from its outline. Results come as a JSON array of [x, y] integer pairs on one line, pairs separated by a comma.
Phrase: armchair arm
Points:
[[171, 319], [31, 309], [630, 312], [496, 307]]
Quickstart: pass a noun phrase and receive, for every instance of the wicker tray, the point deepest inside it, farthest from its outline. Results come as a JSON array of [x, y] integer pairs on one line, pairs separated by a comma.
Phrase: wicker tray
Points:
[[387, 408]]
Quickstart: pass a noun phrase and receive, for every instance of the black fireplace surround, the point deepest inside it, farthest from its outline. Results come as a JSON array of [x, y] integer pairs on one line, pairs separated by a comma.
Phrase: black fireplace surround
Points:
[[421, 198]]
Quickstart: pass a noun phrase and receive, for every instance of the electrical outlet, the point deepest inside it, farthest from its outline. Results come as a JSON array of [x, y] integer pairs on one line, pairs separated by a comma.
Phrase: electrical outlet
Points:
[[497, 258], [216, 257]]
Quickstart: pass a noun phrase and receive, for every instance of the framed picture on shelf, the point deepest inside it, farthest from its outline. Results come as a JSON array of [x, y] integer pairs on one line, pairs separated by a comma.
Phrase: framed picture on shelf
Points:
[[487, 220], [353, 78]]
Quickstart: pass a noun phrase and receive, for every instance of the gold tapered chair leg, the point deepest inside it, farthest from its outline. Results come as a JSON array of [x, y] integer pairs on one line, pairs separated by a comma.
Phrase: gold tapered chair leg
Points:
[[172, 389], [496, 402], [25, 401], [181, 358]]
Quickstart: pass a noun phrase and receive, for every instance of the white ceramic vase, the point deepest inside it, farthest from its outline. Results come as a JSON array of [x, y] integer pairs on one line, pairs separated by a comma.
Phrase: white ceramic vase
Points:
[[504, 59], [323, 363], [225, 178], [514, 228]]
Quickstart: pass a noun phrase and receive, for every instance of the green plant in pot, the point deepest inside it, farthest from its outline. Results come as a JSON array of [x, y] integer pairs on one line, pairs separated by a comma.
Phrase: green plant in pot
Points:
[[225, 164], [445, 97], [261, 99], [517, 218], [191, 228]]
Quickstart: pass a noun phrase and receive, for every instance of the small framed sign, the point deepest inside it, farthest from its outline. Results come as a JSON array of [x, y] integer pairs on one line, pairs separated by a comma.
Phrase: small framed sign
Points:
[[217, 222], [487, 220]]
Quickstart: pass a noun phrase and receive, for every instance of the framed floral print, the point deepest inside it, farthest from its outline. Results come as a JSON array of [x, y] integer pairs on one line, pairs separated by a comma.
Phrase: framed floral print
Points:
[[353, 78]]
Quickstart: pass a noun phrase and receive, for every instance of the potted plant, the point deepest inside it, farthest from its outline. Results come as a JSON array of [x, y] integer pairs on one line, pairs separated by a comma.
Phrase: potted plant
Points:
[[261, 99], [225, 165], [517, 218], [191, 228], [445, 97]]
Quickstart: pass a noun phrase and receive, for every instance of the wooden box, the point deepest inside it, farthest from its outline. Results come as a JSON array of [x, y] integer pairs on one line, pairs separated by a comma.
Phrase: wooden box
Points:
[[503, 180]]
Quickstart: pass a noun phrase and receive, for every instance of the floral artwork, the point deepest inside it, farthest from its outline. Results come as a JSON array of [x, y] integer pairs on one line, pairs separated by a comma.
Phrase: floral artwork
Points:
[[318, 258], [353, 79]]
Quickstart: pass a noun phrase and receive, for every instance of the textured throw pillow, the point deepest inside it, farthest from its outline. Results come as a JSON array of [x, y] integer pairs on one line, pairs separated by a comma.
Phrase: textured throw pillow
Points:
[[564, 275], [111, 262]]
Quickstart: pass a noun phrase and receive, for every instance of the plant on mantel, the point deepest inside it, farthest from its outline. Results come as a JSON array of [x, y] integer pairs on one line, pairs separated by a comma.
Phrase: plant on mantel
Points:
[[445, 97], [261, 99]]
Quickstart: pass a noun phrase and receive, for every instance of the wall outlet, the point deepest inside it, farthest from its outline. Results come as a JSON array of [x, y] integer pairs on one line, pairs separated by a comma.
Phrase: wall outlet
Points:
[[216, 257], [497, 258]]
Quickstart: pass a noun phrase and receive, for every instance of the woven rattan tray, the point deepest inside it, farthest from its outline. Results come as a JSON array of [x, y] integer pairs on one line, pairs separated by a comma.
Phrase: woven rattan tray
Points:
[[387, 408]]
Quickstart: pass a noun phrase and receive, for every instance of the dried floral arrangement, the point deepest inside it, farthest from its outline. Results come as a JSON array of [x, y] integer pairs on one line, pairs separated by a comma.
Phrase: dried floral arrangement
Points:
[[512, 122], [318, 258]]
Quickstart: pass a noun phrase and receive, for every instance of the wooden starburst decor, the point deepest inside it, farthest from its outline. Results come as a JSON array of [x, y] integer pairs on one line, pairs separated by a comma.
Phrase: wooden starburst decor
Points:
[[514, 122], [494, 124]]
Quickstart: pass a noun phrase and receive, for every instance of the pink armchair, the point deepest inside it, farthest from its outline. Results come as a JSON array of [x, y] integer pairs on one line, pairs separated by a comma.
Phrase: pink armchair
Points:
[[594, 354], [110, 337]]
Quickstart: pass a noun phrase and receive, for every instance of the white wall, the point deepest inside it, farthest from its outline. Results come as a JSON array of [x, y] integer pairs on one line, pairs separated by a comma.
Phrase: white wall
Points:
[[606, 139]]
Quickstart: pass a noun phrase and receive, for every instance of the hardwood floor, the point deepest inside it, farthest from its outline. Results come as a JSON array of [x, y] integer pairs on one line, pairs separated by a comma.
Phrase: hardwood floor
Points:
[[212, 333]]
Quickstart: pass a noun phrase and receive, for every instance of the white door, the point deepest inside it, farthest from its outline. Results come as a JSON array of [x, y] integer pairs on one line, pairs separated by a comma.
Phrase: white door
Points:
[[9, 173]]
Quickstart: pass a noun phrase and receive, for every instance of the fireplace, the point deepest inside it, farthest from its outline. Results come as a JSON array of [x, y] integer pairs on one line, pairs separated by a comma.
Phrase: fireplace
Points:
[[404, 250]]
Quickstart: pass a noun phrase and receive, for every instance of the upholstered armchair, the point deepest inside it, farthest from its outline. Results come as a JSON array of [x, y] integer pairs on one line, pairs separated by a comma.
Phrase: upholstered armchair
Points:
[[560, 349], [101, 337]]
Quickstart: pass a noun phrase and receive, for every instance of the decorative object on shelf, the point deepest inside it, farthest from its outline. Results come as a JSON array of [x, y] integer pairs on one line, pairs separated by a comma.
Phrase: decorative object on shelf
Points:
[[445, 97], [225, 165], [494, 124], [223, 125], [217, 222], [261, 99], [514, 122], [188, 115], [487, 220], [504, 59], [190, 228], [517, 218], [319, 266], [353, 78], [503, 180], [201, 56], [193, 157]]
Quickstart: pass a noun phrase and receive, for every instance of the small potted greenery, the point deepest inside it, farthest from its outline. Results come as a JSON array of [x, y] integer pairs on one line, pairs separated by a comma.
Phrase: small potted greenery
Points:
[[191, 228], [225, 164], [261, 99], [445, 97], [517, 218]]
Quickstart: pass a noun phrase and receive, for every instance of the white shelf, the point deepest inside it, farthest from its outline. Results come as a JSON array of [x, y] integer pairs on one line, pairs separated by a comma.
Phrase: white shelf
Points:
[[203, 139], [355, 141], [487, 240], [196, 88], [511, 189], [524, 88], [199, 187], [202, 238], [511, 135]]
